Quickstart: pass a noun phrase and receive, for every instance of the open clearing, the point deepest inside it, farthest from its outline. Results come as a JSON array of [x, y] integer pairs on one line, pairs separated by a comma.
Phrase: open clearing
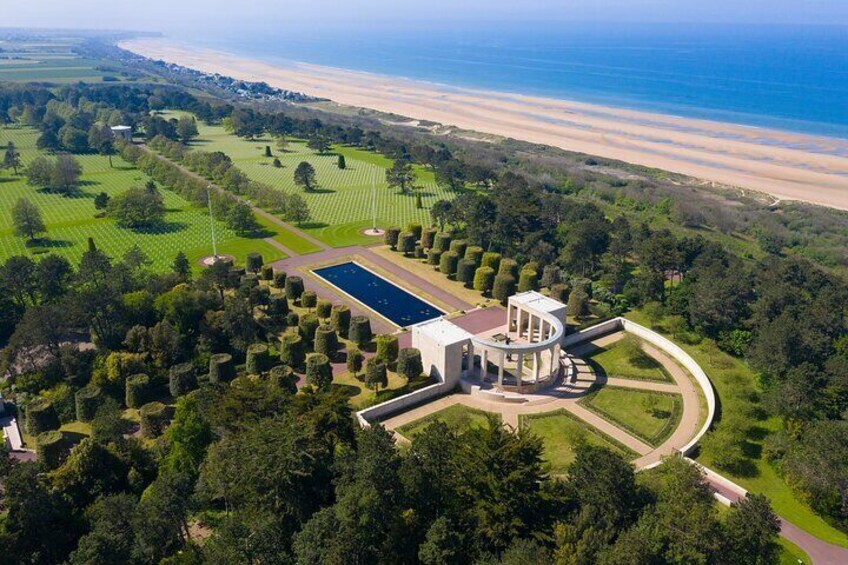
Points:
[[650, 416]]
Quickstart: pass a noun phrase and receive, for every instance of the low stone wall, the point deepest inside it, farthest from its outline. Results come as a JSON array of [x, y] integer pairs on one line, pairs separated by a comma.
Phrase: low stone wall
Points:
[[390, 407], [667, 346]]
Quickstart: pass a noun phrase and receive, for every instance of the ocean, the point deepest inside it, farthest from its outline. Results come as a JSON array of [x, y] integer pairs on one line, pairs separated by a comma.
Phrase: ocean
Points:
[[783, 77]]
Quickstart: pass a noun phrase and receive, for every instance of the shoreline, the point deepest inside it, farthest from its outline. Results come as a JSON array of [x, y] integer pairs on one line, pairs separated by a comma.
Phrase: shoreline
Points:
[[782, 164]]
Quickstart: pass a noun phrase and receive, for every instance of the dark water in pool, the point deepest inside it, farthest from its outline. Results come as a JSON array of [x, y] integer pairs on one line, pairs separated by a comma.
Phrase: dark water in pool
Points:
[[377, 293]]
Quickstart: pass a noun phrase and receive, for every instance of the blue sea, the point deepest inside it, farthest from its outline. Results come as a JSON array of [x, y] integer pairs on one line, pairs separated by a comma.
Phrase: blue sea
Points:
[[792, 78]]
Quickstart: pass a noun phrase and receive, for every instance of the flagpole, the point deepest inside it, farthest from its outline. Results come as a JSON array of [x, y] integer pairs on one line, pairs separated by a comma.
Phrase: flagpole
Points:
[[211, 223]]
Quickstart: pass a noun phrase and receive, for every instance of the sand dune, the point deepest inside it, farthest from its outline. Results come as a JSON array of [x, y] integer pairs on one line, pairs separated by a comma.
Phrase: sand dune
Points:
[[783, 164]]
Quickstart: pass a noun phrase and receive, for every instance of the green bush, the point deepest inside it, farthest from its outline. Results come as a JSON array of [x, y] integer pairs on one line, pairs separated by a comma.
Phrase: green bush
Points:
[[308, 299], [88, 400], [258, 359], [153, 417], [560, 292], [387, 348], [459, 246], [307, 326], [484, 278], [249, 280], [326, 340], [578, 303], [41, 417], [376, 375], [491, 260], [222, 368], [292, 350], [282, 376], [442, 241], [182, 379], [280, 279], [415, 229], [475, 254], [409, 363], [355, 358], [254, 262], [406, 243], [267, 272], [503, 288], [419, 252], [360, 330], [427, 238], [434, 256], [137, 390], [528, 280], [319, 373], [294, 287], [278, 307], [465, 271], [51, 449], [391, 237], [340, 319], [509, 267], [448, 262], [323, 308], [292, 319], [551, 275]]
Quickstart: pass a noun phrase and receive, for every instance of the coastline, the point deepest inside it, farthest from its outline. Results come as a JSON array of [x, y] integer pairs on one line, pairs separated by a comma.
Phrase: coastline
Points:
[[785, 165]]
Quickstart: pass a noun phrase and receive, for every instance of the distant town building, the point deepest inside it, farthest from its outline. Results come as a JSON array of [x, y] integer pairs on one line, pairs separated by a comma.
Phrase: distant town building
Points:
[[122, 131]]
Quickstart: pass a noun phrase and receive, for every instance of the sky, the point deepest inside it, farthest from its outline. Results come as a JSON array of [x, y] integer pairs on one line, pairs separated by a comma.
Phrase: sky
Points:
[[173, 16]]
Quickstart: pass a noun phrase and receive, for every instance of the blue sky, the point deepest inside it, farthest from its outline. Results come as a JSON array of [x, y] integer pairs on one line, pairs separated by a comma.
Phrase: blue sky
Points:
[[175, 15]]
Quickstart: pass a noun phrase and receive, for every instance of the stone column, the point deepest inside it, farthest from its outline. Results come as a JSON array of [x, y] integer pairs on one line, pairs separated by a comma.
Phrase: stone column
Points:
[[484, 364], [508, 317], [537, 361], [520, 368], [501, 368], [469, 371]]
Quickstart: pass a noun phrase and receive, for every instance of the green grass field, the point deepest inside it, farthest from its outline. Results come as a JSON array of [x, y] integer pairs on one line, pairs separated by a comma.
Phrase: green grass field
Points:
[[561, 432], [457, 416], [650, 416], [72, 220], [618, 361], [341, 207], [736, 386], [49, 61]]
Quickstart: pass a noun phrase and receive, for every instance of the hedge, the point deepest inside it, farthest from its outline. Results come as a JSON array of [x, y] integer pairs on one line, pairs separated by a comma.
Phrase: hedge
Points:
[[41, 417], [459, 246], [391, 237], [294, 287], [409, 363], [406, 243], [136, 390], [340, 319], [492, 260], [283, 376], [528, 280], [503, 288], [447, 263], [427, 238], [434, 256], [509, 267], [51, 448], [292, 350], [387, 348], [182, 379], [326, 340], [322, 308], [222, 368], [442, 241], [360, 330], [484, 278], [280, 279], [318, 370], [308, 299], [153, 417], [307, 326], [87, 400], [475, 254]]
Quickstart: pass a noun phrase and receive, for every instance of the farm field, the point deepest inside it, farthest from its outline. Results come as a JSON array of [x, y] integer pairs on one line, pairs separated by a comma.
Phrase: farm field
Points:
[[49, 61], [72, 220], [341, 207]]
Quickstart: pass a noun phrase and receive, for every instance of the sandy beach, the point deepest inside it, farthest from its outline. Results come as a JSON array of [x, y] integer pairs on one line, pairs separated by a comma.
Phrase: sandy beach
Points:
[[783, 164]]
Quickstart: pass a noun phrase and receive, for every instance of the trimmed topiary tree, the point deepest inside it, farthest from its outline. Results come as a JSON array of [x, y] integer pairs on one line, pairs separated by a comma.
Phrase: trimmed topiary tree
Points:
[[419, 252], [409, 363], [87, 401], [326, 340], [376, 375], [459, 246], [551, 275], [427, 238], [279, 279], [292, 350], [266, 273], [528, 280], [294, 287], [465, 271], [355, 359], [292, 319], [406, 243], [258, 359], [222, 368], [254, 262], [283, 376], [434, 256], [475, 254], [442, 241], [182, 379], [307, 326], [153, 417], [249, 280], [387, 348], [323, 308], [560, 291], [340, 319], [136, 390], [448, 262], [51, 449], [509, 267], [503, 288], [578, 303], [308, 299], [41, 417], [391, 237], [278, 307], [484, 278], [319, 373], [360, 330], [492, 260], [415, 229]]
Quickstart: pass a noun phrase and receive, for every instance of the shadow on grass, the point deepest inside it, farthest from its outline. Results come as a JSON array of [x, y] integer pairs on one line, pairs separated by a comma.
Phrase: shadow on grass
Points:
[[46, 244], [312, 225], [322, 191], [161, 228], [348, 390]]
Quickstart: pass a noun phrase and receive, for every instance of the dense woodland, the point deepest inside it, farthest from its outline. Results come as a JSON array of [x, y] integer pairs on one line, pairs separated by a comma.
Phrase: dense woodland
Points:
[[279, 477]]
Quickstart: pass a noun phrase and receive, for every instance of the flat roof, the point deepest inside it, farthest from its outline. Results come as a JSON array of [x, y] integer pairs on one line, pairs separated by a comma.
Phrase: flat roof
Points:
[[537, 301], [442, 331], [120, 128]]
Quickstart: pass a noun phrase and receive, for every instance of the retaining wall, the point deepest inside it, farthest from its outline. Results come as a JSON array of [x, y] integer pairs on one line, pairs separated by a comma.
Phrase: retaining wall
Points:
[[401, 403]]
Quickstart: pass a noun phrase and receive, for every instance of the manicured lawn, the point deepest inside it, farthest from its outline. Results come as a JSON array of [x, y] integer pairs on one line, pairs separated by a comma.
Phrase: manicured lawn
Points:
[[71, 220], [341, 207], [457, 416], [561, 432], [289, 239], [361, 395], [737, 389], [650, 416], [620, 360], [791, 554]]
